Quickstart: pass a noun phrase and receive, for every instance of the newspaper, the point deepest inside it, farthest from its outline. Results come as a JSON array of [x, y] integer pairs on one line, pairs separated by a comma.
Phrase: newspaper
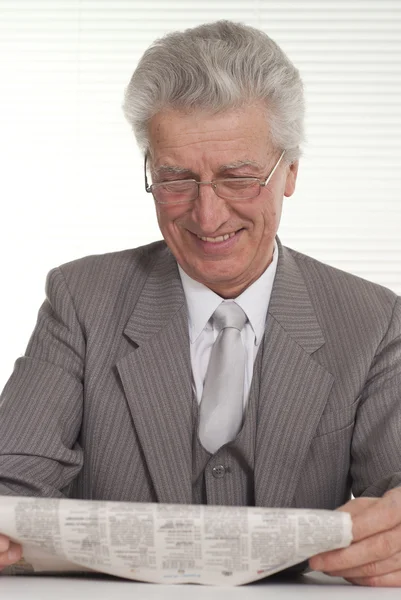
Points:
[[167, 543]]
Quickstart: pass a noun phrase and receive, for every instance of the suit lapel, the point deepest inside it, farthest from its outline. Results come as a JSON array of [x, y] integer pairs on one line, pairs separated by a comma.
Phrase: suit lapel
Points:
[[156, 378], [293, 387]]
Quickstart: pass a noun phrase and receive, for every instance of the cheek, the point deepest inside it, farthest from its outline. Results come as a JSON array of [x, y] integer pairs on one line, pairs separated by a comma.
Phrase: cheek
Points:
[[272, 211], [266, 215], [169, 219]]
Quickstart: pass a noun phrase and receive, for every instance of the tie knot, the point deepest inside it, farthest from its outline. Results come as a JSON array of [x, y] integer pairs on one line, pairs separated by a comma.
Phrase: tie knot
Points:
[[229, 314]]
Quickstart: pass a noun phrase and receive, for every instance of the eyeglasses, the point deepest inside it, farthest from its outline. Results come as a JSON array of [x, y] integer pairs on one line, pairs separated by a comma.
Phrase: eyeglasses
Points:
[[183, 191]]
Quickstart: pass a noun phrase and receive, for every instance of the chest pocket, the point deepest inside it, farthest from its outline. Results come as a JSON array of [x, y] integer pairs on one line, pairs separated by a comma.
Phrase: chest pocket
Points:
[[335, 420]]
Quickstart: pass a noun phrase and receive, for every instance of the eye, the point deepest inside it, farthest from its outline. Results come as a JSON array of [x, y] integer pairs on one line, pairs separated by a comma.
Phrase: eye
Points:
[[178, 186], [238, 183]]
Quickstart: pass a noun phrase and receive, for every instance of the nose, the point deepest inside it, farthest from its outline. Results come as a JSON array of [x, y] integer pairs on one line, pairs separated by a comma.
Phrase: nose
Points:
[[209, 211]]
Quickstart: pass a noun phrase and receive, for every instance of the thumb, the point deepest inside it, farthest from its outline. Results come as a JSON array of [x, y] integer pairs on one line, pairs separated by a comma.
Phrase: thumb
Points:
[[357, 505], [4, 543]]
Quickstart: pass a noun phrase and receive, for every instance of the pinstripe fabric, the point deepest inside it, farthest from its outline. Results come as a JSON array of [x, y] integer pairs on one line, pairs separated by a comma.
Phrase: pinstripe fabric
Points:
[[100, 405]]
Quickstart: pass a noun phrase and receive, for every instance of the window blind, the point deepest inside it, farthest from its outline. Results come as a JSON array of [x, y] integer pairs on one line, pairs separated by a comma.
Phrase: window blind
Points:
[[72, 181]]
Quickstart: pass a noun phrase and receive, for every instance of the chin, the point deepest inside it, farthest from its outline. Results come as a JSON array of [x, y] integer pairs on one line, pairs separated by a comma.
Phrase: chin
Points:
[[216, 279]]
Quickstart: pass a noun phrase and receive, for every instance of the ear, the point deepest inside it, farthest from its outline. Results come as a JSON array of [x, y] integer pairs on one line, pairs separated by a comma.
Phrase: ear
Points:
[[290, 182]]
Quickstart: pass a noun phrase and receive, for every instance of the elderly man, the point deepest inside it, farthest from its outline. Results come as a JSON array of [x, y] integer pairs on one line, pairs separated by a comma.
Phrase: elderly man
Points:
[[216, 366]]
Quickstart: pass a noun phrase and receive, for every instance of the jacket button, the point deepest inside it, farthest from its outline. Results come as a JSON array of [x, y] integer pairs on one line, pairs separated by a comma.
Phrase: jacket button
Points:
[[218, 471]]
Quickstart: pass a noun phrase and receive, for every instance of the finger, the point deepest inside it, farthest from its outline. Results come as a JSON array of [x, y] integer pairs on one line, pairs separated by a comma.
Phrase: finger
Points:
[[389, 580], [380, 516], [4, 543], [357, 505], [11, 556], [378, 547], [372, 569], [352, 507]]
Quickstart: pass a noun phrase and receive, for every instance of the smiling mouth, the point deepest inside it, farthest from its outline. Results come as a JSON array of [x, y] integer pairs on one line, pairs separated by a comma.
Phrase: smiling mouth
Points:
[[218, 239]]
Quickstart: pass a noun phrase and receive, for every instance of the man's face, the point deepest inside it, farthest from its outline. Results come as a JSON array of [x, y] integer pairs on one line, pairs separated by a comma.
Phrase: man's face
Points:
[[207, 147]]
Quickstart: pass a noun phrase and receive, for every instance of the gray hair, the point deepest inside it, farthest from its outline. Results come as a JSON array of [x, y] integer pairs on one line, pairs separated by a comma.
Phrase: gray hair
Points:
[[215, 67]]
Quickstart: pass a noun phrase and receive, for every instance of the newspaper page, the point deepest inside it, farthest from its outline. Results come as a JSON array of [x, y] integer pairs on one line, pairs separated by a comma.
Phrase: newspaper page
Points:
[[167, 543]]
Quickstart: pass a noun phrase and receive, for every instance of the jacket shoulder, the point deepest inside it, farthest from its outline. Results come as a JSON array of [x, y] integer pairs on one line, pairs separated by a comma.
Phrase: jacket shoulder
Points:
[[114, 264], [341, 291], [98, 283]]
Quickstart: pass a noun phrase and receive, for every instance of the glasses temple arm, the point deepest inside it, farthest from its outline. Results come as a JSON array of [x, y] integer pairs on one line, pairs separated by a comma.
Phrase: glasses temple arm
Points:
[[274, 169]]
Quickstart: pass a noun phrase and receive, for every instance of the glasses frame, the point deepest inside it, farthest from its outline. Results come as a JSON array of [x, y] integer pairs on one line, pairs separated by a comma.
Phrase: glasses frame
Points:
[[213, 183]]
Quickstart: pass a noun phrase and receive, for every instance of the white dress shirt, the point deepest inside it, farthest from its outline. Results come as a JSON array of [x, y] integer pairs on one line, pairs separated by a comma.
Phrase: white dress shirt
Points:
[[202, 302]]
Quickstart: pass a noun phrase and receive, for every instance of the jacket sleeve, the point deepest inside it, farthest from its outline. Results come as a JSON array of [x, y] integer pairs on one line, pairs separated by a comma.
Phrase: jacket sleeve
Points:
[[41, 405], [376, 443]]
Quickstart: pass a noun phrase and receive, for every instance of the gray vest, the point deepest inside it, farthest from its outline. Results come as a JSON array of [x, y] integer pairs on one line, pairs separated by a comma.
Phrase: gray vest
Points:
[[226, 477]]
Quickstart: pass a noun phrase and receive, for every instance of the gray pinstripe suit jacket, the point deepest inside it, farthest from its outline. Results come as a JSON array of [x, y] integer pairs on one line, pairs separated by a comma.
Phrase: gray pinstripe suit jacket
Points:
[[99, 407]]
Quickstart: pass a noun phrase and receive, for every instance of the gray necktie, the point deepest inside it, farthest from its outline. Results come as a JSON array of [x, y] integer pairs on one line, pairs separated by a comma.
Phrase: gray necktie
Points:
[[221, 406]]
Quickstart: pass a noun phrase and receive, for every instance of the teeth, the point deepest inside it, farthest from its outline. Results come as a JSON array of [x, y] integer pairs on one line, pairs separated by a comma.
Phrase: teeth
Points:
[[220, 238]]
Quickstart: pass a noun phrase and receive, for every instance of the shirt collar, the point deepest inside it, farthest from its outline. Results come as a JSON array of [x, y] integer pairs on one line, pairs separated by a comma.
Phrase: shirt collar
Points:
[[201, 303], [254, 301]]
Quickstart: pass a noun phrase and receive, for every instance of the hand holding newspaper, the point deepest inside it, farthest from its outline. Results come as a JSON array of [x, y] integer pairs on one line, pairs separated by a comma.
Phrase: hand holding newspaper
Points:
[[167, 543]]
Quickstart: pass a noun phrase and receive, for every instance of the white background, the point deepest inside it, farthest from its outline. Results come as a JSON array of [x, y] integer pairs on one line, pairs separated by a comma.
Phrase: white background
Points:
[[71, 179]]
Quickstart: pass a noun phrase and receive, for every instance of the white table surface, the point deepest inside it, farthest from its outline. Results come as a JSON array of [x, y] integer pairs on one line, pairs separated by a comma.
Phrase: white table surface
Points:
[[313, 585]]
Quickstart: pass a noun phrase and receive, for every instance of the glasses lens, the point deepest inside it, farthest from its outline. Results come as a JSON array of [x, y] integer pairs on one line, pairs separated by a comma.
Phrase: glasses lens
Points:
[[175, 192], [237, 189]]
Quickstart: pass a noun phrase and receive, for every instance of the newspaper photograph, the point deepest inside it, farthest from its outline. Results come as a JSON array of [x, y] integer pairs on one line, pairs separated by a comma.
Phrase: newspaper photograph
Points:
[[167, 543]]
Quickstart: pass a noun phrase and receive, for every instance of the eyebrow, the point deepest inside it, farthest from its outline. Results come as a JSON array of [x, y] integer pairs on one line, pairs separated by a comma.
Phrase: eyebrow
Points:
[[238, 164], [167, 169], [176, 170]]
